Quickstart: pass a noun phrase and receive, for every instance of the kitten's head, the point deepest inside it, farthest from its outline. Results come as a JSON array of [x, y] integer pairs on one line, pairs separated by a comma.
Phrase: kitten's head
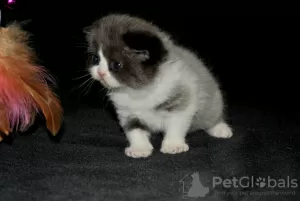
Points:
[[124, 51]]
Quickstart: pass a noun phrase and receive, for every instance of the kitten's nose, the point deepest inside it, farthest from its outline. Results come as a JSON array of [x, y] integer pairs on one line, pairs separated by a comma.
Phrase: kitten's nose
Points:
[[101, 74]]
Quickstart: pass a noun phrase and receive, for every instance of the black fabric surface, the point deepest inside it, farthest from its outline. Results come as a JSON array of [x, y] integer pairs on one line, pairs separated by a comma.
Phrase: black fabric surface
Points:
[[252, 55], [88, 161]]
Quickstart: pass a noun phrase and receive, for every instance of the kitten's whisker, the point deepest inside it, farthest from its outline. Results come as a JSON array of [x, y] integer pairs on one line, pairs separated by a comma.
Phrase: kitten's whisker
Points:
[[107, 92], [102, 89], [85, 70], [82, 84], [84, 88], [89, 87], [77, 78], [82, 43], [79, 39], [85, 82], [90, 51], [105, 96], [106, 103], [80, 47]]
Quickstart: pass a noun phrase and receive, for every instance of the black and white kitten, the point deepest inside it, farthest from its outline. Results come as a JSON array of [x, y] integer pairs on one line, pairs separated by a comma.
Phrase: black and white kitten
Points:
[[155, 85]]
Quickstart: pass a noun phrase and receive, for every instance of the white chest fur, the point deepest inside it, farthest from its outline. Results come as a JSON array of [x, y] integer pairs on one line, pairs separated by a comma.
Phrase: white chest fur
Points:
[[141, 103], [141, 106]]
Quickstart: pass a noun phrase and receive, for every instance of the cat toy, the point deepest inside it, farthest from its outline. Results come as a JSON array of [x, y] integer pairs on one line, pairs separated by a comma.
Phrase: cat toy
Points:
[[24, 88]]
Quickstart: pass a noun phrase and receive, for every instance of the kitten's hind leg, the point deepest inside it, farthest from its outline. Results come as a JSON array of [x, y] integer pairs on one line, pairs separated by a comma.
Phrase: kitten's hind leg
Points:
[[220, 130], [138, 137], [177, 127]]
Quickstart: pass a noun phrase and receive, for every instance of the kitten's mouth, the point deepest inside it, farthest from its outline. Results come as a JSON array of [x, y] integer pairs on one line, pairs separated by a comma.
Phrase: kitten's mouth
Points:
[[102, 81]]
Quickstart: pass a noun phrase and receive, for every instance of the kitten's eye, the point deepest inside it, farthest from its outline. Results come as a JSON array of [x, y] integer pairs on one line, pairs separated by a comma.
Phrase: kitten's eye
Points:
[[115, 65], [95, 59]]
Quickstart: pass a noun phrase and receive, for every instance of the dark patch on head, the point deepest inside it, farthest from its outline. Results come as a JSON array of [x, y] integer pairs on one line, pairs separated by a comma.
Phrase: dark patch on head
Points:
[[148, 47], [139, 63], [132, 72], [140, 54], [177, 100], [135, 123]]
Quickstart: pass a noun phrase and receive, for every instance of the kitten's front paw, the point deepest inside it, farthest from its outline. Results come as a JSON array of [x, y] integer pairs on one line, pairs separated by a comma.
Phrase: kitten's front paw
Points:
[[171, 147], [138, 152], [221, 130]]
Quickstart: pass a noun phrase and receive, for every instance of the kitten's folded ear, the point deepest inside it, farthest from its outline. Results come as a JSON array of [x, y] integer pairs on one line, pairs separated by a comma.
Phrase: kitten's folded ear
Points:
[[145, 46]]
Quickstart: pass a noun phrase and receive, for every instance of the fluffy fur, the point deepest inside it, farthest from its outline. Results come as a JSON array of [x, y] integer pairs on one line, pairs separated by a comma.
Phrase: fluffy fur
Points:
[[23, 85], [154, 84]]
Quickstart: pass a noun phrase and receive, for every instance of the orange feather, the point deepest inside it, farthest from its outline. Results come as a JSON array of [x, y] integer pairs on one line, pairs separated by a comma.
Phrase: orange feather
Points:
[[24, 90]]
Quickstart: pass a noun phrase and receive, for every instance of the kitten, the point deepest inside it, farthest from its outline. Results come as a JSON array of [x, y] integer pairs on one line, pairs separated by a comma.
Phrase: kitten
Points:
[[154, 84]]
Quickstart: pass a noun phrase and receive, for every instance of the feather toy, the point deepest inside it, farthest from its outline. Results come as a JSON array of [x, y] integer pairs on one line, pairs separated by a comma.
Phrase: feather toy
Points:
[[24, 89]]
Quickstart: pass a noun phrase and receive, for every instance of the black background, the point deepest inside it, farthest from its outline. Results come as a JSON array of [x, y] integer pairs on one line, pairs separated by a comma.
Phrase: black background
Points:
[[254, 55]]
